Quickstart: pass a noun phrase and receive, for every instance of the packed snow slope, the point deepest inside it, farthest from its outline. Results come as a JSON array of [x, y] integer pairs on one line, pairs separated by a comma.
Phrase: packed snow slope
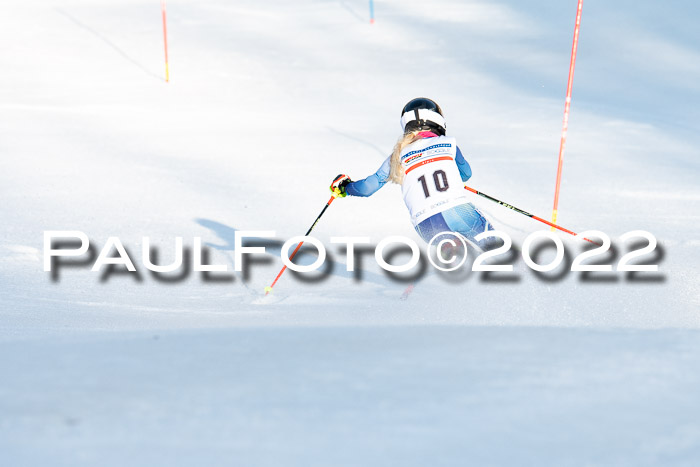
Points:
[[267, 102]]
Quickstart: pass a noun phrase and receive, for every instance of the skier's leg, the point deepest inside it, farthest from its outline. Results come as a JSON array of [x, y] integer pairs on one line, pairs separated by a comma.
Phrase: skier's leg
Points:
[[432, 226], [470, 222]]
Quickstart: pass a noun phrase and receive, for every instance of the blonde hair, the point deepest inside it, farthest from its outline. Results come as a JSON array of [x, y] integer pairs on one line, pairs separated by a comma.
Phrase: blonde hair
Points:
[[396, 173]]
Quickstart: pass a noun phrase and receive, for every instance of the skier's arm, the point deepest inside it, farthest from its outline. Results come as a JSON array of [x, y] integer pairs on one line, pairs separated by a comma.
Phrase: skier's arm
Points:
[[464, 170], [371, 184]]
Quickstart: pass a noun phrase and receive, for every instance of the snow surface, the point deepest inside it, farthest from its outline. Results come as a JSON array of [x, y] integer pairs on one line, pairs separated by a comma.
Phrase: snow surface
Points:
[[267, 102]]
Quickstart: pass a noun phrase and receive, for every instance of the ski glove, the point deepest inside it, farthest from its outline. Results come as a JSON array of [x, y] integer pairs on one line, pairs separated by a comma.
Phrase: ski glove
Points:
[[339, 184]]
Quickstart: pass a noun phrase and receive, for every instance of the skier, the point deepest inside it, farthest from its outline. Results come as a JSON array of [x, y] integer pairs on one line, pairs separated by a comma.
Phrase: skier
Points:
[[431, 171]]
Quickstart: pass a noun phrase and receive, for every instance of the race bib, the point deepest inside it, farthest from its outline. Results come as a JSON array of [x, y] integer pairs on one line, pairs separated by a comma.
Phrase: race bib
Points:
[[432, 183]]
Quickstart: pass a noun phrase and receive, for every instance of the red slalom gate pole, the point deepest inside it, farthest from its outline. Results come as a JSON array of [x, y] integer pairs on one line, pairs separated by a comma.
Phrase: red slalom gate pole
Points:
[[567, 105], [165, 41], [510, 206], [268, 289]]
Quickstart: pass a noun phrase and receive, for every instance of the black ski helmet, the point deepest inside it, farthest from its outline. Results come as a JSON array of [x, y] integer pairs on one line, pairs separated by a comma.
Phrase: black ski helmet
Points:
[[422, 113]]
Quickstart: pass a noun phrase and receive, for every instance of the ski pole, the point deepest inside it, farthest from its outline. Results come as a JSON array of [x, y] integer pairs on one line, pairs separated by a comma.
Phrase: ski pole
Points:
[[510, 206], [269, 288]]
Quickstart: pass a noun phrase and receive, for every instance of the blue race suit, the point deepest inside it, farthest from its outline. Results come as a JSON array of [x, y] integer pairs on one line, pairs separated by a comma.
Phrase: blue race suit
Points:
[[464, 218]]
